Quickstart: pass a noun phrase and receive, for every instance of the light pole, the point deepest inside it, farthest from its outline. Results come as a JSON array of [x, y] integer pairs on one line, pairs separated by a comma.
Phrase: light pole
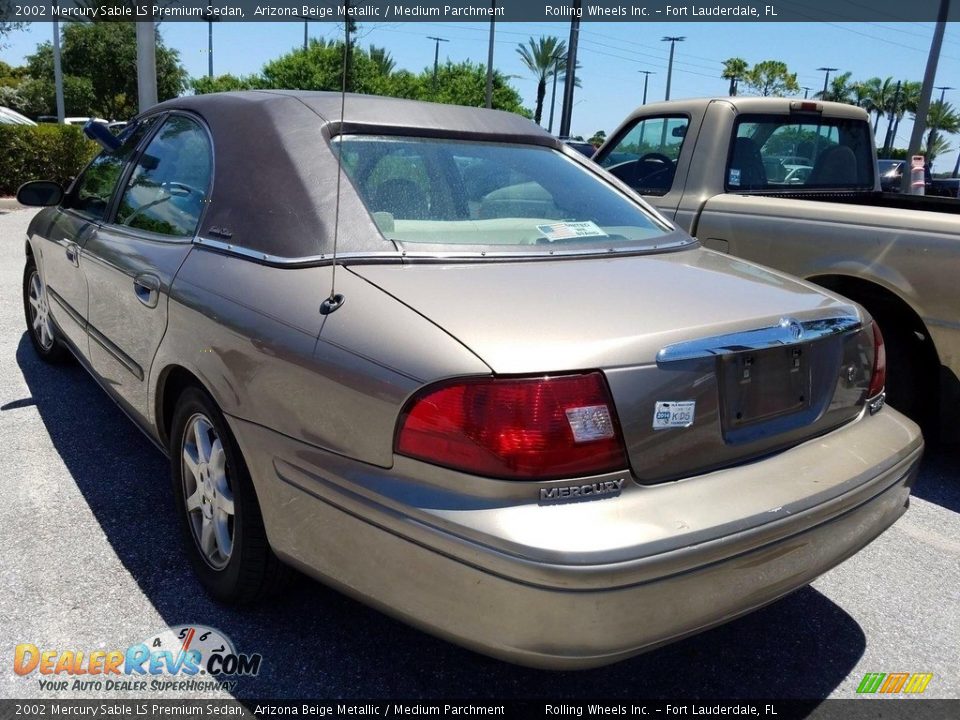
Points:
[[806, 91], [58, 71], [209, 19], [569, 81], [646, 79], [943, 89], [306, 34], [146, 64], [826, 79], [493, 22], [673, 40], [553, 94], [436, 58]]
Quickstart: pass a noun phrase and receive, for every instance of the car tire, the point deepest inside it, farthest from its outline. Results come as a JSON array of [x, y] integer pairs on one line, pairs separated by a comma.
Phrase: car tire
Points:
[[217, 505], [36, 309], [911, 376]]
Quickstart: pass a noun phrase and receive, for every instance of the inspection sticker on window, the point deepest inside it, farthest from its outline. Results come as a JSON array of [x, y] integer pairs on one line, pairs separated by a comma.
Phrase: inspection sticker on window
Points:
[[673, 414], [571, 230], [734, 177]]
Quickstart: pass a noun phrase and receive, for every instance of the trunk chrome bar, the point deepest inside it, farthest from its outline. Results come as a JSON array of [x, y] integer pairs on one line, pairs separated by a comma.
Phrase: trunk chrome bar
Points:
[[788, 331]]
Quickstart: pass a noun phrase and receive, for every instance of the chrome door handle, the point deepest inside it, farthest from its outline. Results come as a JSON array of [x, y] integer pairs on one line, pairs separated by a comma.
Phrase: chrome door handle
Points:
[[72, 253], [147, 289]]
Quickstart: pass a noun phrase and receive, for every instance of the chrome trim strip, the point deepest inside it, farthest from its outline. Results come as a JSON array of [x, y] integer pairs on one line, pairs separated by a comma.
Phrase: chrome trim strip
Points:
[[404, 255], [788, 331]]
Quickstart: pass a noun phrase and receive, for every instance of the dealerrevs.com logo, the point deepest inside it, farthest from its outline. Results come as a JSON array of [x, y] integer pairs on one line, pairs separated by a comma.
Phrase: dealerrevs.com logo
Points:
[[185, 657]]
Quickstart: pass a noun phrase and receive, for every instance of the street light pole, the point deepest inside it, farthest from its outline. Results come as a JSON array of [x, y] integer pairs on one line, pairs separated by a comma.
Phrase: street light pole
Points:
[[806, 92], [58, 72], [210, 48], [436, 58], [569, 82], [923, 107], [553, 94], [826, 79], [146, 64], [646, 79], [306, 34], [493, 22], [673, 40]]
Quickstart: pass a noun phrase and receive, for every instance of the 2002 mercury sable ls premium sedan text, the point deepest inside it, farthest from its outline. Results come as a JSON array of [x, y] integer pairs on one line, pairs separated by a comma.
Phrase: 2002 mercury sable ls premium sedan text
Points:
[[537, 419]]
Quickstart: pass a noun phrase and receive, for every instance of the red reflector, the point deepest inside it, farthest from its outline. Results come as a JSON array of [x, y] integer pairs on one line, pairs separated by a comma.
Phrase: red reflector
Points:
[[538, 428], [879, 378]]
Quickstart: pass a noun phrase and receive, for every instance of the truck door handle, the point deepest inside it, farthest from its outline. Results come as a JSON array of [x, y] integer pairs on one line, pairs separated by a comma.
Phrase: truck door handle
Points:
[[147, 289], [71, 250]]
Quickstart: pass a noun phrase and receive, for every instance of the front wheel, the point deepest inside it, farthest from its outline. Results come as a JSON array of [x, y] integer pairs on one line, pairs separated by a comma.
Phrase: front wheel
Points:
[[36, 309], [220, 517]]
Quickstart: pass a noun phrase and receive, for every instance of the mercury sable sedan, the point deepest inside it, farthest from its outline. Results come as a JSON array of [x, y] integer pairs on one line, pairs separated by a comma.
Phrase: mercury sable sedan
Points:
[[519, 409]]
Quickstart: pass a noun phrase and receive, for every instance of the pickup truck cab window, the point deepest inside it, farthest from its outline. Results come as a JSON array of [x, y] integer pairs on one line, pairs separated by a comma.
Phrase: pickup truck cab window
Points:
[[91, 193], [645, 156], [773, 152], [168, 187]]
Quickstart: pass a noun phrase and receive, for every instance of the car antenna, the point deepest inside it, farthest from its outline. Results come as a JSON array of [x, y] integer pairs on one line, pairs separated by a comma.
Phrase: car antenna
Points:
[[335, 300]]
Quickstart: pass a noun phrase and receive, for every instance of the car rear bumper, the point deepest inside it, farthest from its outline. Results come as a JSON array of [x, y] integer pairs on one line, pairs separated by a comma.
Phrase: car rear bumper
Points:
[[580, 605]]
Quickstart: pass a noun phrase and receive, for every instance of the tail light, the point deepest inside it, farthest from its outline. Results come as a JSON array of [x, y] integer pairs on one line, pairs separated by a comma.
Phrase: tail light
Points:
[[879, 378], [515, 428]]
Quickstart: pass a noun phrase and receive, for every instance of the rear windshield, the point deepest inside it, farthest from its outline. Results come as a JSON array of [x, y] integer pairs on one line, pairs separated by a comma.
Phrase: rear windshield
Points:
[[455, 193], [795, 152]]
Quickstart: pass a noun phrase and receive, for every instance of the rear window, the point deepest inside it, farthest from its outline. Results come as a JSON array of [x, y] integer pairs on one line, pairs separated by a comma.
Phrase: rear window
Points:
[[455, 193], [795, 152]]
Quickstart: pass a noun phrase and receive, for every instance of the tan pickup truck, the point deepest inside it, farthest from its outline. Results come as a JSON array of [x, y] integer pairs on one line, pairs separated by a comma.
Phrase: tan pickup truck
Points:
[[794, 185]]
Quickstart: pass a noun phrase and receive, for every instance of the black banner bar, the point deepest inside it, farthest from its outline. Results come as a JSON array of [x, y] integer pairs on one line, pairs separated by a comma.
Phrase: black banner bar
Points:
[[853, 709], [393, 11]]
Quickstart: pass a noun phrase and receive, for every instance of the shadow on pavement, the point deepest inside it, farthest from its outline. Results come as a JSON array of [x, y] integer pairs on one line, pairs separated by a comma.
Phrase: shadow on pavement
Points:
[[319, 643], [940, 483]]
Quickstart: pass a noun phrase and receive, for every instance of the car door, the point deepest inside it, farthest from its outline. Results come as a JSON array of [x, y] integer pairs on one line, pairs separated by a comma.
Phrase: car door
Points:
[[648, 156], [134, 257], [74, 222]]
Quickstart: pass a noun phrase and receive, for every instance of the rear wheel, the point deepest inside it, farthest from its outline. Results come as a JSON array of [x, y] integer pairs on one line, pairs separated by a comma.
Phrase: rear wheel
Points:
[[36, 308], [220, 516]]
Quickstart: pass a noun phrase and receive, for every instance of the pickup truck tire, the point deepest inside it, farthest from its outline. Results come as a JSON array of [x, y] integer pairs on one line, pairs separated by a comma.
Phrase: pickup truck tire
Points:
[[912, 370]]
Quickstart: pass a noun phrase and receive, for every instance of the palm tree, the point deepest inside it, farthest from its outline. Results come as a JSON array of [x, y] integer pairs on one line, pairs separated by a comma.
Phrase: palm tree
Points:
[[840, 90], [909, 101], [734, 69], [543, 58], [941, 118], [880, 98], [381, 58]]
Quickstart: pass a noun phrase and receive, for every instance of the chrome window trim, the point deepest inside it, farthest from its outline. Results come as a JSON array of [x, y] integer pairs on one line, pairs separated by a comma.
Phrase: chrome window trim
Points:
[[404, 255], [788, 331]]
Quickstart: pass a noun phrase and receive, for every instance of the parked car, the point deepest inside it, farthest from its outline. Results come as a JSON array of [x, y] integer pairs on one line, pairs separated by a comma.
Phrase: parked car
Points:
[[12, 117], [705, 167], [581, 146], [475, 383]]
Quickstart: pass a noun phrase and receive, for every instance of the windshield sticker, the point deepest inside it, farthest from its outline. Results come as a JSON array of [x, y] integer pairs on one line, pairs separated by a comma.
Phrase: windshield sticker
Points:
[[571, 230], [673, 414], [735, 176]]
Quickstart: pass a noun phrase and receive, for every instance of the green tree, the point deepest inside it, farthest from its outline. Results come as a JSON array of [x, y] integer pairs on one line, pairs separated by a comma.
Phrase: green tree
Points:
[[38, 97], [941, 118], [225, 83], [734, 69], [880, 98], [105, 53], [598, 138], [464, 83], [840, 89], [382, 59], [543, 58], [771, 78]]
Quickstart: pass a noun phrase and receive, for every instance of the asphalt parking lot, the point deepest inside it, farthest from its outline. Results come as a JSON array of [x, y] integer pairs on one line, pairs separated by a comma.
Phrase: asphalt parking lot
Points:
[[90, 559]]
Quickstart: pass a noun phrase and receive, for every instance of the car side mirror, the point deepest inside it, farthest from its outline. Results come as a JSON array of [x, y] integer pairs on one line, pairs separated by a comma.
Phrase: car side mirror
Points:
[[40, 193], [100, 134]]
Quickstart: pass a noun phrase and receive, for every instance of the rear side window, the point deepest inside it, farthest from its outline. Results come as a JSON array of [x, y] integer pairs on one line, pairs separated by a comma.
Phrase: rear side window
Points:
[[168, 188], [445, 192], [645, 157], [92, 192], [789, 152]]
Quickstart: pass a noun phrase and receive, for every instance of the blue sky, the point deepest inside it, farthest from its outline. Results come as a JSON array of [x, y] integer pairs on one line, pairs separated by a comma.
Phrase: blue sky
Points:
[[611, 54]]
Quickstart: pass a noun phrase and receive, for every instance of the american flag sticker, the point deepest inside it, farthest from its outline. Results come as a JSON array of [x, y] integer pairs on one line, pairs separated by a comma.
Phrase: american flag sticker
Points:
[[571, 230]]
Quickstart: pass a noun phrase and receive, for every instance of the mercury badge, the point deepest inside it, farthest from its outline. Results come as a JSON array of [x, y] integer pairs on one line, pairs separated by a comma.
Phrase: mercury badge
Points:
[[793, 327]]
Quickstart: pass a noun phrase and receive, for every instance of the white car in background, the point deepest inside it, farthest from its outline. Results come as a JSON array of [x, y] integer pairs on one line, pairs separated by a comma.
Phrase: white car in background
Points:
[[12, 117]]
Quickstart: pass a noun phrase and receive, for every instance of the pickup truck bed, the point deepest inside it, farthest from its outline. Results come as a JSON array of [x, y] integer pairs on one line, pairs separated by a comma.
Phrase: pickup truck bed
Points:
[[794, 185]]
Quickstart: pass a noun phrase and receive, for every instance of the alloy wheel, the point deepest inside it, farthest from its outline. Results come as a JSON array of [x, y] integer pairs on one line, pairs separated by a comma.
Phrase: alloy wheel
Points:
[[207, 491]]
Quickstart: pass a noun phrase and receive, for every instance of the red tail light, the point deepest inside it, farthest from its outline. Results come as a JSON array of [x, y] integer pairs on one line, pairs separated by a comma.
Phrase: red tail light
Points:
[[879, 378], [515, 428]]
